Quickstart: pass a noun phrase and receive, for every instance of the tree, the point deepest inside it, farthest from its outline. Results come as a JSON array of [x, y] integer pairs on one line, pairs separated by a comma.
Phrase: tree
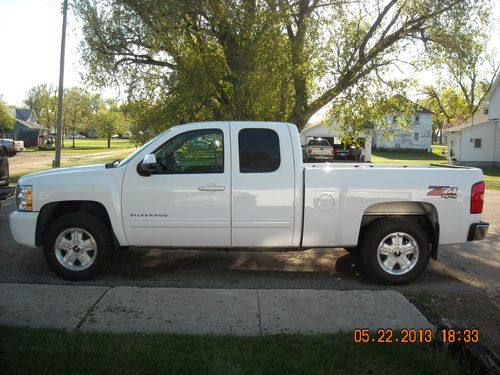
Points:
[[448, 105], [108, 122], [43, 99], [466, 75], [6, 119], [258, 59], [78, 110]]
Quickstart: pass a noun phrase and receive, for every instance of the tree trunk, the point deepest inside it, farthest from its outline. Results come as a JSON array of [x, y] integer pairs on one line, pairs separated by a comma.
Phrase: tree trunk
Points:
[[109, 140]]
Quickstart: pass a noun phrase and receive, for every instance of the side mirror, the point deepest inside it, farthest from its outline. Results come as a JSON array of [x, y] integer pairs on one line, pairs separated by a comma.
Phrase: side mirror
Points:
[[147, 166]]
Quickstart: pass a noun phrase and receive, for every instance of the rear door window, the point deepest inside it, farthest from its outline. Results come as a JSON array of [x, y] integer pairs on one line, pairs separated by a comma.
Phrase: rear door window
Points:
[[259, 150]]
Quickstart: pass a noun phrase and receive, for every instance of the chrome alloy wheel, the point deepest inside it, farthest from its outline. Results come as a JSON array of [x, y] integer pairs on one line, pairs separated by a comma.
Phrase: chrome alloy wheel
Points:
[[75, 249], [397, 253]]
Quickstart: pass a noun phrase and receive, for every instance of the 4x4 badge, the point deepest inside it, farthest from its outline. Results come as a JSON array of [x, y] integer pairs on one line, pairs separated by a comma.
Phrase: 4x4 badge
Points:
[[445, 192]]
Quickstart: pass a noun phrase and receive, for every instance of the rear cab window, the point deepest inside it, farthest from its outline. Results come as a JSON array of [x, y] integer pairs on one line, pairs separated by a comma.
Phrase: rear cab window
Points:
[[259, 150]]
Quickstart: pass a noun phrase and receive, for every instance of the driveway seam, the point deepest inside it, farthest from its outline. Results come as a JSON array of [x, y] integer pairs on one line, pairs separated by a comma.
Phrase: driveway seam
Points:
[[258, 309], [80, 323]]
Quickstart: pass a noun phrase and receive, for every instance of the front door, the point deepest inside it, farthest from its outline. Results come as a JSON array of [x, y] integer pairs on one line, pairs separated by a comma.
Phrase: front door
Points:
[[186, 201]]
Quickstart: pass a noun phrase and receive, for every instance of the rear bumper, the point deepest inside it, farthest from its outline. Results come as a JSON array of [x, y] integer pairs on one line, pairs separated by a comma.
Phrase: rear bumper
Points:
[[478, 231], [320, 156]]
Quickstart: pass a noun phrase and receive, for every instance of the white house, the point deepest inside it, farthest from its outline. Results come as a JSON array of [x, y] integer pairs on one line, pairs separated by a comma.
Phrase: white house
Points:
[[417, 137], [333, 136], [477, 141]]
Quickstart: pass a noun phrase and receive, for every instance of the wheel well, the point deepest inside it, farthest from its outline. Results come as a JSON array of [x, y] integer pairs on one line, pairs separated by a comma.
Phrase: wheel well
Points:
[[53, 211], [422, 213]]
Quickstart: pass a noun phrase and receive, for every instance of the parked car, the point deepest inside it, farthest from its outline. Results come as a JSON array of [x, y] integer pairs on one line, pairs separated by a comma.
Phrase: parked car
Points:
[[5, 190], [75, 136], [341, 153], [249, 189], [12, 146], [318, 149]]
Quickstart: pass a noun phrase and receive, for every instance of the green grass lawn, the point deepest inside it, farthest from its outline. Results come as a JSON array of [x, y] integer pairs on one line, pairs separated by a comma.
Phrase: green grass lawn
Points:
[[492, 178], [90, 145], [408, 157], [30, 351], [491, 174], [71, 163]]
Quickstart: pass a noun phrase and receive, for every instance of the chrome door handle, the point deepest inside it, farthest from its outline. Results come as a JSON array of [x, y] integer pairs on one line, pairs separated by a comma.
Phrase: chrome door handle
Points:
[[211, 188]]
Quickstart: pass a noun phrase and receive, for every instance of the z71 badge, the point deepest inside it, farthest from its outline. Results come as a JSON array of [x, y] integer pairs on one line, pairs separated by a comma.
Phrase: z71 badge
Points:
[[445, 192]]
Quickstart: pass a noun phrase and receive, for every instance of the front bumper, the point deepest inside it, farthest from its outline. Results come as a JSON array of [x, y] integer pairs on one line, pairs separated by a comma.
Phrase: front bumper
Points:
[[478, 231], [23, 227]]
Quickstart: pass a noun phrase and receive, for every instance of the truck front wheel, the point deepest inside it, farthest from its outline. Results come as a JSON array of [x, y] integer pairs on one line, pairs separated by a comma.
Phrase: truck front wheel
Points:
[[77, 246], [395, 251]]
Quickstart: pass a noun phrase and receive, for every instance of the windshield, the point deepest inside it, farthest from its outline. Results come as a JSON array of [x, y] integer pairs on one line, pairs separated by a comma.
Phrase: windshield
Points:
[[140, 149], [318, 142]]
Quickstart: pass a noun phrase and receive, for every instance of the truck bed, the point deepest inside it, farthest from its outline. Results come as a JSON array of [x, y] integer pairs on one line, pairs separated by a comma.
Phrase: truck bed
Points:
[[356, 189]]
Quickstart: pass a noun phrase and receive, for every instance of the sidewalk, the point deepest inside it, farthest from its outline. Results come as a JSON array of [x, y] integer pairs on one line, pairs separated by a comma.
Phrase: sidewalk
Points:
[[204, 311]]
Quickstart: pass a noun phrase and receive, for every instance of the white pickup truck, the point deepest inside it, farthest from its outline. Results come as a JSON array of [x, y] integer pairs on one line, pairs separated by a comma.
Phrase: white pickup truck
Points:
[[318, 149], [12, 146], [244, 185]]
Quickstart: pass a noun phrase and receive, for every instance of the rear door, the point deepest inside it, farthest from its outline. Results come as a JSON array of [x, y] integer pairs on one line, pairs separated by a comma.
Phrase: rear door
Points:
[[263, 178]]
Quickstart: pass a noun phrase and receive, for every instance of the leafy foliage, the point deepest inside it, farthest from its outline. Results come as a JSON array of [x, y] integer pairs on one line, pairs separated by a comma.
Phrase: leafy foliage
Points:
[[466, 74], [43, 99], [260, 59], [109, 122], [6, 119]]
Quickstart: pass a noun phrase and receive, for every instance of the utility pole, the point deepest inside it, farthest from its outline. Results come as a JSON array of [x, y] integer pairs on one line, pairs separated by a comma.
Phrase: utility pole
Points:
[[57, 162]]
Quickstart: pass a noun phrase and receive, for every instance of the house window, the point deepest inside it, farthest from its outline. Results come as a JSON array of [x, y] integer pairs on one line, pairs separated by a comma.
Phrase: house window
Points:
[[415, 136], [417, 119], [477, 142]]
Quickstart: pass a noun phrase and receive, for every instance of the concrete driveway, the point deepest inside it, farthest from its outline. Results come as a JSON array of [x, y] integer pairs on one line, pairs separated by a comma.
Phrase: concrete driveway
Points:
[[480, 258]]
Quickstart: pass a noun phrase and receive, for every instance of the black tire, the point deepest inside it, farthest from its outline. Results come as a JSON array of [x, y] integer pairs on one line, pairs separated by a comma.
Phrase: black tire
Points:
[[355, 250], [382, 229], [89, 223]]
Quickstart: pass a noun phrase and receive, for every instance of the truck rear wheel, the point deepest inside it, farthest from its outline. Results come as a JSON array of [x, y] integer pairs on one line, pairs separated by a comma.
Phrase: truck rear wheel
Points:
[[395, 251], [77, 246]]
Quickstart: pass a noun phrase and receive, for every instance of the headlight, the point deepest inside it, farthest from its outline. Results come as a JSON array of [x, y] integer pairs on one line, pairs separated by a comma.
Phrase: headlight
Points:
[[24, 197]]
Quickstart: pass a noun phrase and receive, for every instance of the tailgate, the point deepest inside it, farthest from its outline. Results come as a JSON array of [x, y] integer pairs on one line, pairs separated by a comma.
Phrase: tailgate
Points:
[[320, 150]]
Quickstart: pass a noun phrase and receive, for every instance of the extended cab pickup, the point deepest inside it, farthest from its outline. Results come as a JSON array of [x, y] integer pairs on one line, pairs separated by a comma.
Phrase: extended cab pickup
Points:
[[244, 185]]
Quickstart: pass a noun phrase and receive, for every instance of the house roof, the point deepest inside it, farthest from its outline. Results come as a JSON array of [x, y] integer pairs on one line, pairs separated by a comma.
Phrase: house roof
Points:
[[23, 113], [417, 108], [469, 125], [479, 118], [30, 124]]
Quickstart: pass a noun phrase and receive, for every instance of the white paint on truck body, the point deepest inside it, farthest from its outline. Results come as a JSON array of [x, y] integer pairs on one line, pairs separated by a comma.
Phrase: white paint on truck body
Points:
[[293, 206]]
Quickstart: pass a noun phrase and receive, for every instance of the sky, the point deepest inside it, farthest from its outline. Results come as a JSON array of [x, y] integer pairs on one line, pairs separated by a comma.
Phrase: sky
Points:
[[30, 37]]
